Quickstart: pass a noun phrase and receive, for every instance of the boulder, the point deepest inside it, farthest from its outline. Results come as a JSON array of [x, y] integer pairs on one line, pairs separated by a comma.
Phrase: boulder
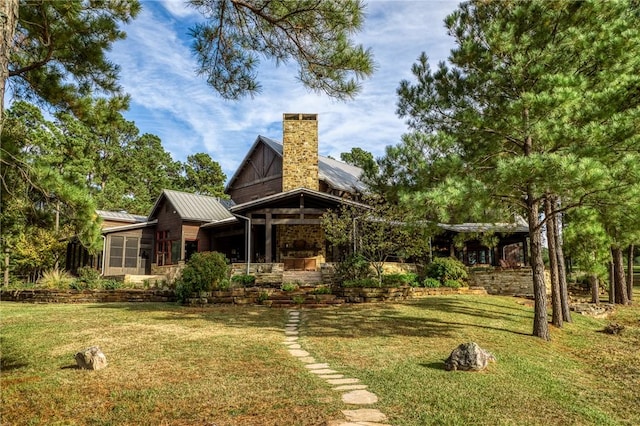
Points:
[[91, 359], [468, 357], [614, 328]]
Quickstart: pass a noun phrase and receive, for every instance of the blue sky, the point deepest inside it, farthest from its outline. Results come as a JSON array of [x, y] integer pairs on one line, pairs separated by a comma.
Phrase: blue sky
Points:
[[168, 99]]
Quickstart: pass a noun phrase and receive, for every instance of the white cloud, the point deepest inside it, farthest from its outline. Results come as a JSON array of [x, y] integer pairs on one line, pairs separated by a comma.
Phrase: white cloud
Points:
[[169, 100]]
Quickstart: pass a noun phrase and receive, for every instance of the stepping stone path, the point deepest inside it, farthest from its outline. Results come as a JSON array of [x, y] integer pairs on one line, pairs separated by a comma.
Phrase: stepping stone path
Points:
[[354, 392]]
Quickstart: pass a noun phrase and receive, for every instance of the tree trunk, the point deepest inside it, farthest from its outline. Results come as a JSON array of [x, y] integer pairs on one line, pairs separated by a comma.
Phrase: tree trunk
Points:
[[562, 272], [612, 287], [618, 277], [8, 22], [540, 322], [556, 311], [595, 290], [630, 273]]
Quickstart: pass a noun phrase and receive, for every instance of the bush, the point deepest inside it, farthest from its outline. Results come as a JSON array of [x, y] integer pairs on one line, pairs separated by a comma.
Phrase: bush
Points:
[[111, 284], [322, 290], [452, 284], [446, 268], [431, 282], [244, 280], [55, 278], [203, 272], [354, 267], [289, 287], [88, 277], [398, 280]]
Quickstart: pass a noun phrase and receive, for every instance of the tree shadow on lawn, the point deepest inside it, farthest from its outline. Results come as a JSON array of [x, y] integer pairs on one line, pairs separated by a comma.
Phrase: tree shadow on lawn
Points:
[[389, 321], [347, 321]]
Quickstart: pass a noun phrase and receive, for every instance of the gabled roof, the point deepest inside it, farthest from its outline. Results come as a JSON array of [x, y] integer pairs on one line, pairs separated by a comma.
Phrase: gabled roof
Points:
[[292, 193], [121, 216], [336, 174], [194, 207]]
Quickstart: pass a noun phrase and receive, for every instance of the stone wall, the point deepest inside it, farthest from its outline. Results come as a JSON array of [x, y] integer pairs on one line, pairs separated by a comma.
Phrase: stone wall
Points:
[[288, 236], [87, 296], [510, 282], [300, 152]]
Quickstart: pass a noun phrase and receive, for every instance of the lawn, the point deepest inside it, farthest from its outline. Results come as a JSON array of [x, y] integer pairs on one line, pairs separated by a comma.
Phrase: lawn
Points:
[[227, 365]]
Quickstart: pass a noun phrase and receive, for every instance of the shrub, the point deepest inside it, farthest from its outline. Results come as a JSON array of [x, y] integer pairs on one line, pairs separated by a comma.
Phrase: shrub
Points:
[[88, 277], [289, 286], [55, 278], [203, 272], [111, 284], [322, 290], [452, 284], [244, 280], [298, 299], [354, 267], [225, 284], [397, 280], [263, 297], [431, 282], [446, 268]]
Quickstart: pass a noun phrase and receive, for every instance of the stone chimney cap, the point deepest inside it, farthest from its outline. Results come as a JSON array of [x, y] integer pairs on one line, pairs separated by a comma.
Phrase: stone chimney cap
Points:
[[300, 116]]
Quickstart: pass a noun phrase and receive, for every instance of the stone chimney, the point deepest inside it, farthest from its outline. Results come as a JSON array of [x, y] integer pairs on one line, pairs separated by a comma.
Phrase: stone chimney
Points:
[[300, 151]]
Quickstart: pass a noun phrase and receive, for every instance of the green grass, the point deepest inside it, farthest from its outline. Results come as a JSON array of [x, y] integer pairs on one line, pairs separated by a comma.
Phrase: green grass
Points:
[[227, 365]]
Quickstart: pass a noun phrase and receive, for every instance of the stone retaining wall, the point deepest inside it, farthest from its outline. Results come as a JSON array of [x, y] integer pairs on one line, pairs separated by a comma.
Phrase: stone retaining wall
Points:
[[87, 296], [303, 296], [507, 282]]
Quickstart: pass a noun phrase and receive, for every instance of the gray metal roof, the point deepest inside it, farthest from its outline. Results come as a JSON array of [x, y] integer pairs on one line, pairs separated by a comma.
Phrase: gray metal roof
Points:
[[336, 174], [121, 216], [199, 208], [486, 227]]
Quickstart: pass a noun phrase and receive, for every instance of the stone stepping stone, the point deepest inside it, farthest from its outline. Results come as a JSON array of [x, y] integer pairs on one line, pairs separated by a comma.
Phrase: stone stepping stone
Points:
[[295, 346], [291, 324], [290, 328], [317, 366], [298, 352], [308, 359], [291, 333], [365, 415], [346, 423], [332, 376], [349, 387], [291, 339], [359, 397], [343, 381], [324, 371]]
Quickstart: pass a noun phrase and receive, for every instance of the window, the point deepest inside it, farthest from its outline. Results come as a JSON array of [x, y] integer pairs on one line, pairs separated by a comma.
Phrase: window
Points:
[[123, 252], [115, 252], [167, 250]]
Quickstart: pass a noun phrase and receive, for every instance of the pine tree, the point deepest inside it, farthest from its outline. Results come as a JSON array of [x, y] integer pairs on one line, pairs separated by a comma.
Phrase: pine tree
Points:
[[540, 97]]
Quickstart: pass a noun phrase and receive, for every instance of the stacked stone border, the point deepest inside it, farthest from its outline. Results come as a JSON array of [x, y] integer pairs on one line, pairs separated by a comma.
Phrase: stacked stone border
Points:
[[303, 296]]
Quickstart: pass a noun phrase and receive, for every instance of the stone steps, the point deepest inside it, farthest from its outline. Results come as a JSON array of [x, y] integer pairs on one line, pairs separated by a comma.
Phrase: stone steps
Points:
[[303, 277]]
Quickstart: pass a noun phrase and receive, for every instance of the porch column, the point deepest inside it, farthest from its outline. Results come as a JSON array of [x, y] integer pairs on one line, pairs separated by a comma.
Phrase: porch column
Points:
[[268, 255]]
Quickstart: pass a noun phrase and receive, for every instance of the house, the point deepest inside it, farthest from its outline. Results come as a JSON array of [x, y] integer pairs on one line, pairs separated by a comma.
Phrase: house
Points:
[[278, 195]]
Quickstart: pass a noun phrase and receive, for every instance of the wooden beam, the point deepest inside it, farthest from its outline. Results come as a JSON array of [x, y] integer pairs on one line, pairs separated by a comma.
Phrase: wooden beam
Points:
[[287, 221], [276, 211]]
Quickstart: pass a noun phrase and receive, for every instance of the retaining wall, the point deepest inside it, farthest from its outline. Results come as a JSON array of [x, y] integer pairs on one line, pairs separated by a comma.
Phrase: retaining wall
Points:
[[507, 282], [87, 296]]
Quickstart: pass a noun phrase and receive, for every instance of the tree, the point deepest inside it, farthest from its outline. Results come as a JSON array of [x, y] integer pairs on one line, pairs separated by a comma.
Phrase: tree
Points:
[[377, 232], [44, 193], [510, 111], [203, 176], [54, 51], [315, 34], [360, 158]]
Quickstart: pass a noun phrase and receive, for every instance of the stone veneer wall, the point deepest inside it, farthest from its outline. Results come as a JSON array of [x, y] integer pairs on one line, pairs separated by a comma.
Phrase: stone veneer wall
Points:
[[510, 282], [312, 235], [300, 151]]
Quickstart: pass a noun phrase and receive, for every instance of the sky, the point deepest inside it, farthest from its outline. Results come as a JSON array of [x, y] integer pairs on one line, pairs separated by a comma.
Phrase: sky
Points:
[[170, 100]]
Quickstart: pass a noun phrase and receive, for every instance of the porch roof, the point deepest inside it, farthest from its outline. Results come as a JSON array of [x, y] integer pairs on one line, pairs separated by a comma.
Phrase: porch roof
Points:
[[194, 207]]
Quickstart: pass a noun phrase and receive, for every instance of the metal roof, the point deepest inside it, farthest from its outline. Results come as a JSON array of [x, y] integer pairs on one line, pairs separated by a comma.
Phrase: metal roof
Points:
[[336, 174], [198, 208], [486, 227], [121, 216]]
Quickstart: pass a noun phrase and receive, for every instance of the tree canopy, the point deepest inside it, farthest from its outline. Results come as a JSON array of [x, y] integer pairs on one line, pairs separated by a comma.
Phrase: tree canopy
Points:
[[539, 99], [315, 34]]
